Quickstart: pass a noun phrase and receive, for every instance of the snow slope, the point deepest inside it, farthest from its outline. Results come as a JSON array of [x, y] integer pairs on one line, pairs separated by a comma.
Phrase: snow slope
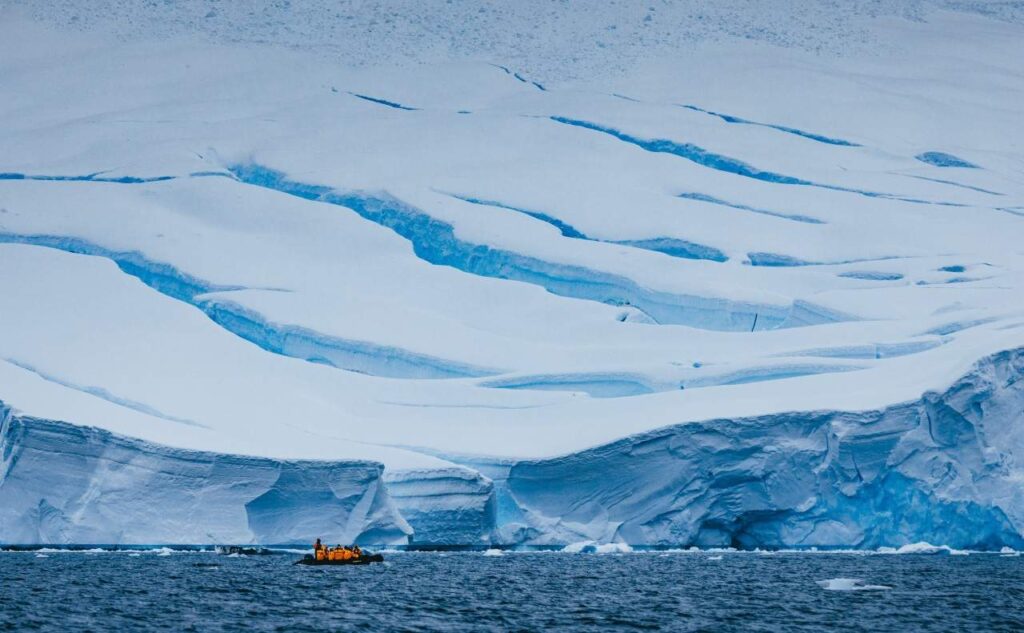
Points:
[[496, 265]]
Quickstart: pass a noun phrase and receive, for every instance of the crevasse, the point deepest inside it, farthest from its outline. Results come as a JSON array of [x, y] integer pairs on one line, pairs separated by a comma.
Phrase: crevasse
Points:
[[436, 242], [287, 340]]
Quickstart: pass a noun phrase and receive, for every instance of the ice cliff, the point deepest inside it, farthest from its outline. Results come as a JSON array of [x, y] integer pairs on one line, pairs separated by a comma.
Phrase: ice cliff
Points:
[[61, 483], [945, 469], [445, 507]]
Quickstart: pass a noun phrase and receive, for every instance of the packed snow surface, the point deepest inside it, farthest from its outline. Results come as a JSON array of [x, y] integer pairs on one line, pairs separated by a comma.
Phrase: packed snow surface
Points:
[[530, 259]]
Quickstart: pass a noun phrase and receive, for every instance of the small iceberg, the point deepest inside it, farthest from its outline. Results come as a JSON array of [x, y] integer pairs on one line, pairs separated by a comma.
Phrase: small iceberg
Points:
[[591, 547], [849, 584], [494, 552], [719, 557], [41, 556], [917, 548]]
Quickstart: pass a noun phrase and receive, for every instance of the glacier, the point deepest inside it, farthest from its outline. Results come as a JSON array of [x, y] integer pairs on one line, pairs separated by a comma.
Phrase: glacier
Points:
[[944, 469], [727, 282], [61, 483]]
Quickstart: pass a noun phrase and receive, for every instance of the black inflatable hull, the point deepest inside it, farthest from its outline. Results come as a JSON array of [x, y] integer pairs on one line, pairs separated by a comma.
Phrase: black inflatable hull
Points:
[[228, 550], [362, 560]]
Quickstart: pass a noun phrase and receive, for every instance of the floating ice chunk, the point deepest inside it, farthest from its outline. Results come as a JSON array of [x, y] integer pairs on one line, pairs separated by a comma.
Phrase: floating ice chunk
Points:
[[849, 584], [917, 548], [719, 557], [41, 556], [591, 547], [494, 552]]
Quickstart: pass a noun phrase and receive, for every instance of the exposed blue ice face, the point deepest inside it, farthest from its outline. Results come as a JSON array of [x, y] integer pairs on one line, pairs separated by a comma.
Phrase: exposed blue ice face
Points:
[[941, 159], [922, 471], [782, 128], [57, 485], [383, 102], [690, 152], [775, 260], [728, 164], [908, 473], [435, 241], [713, 200], [674, 247], [445, 507], [123, 180], [870, 275], [287, 340]]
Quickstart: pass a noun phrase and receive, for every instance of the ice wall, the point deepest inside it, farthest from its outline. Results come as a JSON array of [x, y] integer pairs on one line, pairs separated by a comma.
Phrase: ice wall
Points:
[[61, 483], [445, 507], [944, 469]]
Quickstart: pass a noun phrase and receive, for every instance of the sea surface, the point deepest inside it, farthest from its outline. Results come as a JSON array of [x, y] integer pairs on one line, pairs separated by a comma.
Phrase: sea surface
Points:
[[176, 591]]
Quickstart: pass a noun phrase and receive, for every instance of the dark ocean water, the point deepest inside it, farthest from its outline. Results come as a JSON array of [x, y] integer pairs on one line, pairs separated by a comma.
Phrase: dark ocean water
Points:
[[515, 592]]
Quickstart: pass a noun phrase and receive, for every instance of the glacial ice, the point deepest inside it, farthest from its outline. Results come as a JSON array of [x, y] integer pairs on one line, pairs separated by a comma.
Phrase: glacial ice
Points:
[[667, 245], [942, 159], [942, 469], [728, 118], [444, 507], [61, 483], [436, 241], [287, 340], [657, 327]]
